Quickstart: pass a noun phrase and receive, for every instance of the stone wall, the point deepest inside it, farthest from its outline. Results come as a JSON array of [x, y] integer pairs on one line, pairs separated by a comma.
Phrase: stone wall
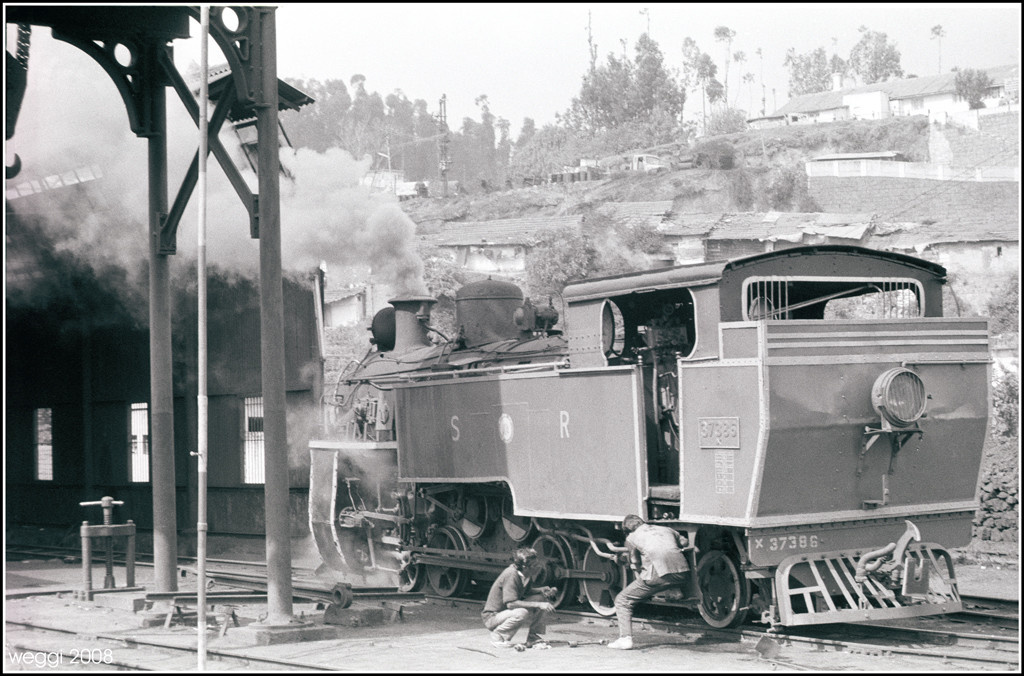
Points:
[[909, 199], [999, 516], [994, 144]]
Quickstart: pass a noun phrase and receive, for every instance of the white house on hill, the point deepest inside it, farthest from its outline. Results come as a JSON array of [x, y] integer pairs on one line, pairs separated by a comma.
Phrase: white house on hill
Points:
[[933, 96]]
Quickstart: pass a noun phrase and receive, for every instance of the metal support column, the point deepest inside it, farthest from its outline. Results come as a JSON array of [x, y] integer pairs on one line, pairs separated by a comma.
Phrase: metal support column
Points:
[[165, 533], [275, 434]]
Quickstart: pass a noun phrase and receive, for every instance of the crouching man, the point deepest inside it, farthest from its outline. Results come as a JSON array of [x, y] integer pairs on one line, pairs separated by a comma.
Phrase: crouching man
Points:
[[512, 603]]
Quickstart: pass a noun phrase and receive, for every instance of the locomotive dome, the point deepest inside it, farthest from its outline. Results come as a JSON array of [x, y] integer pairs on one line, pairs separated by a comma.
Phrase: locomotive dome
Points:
[[485, 311]]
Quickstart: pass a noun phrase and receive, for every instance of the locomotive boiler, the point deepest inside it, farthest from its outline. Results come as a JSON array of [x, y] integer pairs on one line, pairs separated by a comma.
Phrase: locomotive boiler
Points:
[[806, 417]]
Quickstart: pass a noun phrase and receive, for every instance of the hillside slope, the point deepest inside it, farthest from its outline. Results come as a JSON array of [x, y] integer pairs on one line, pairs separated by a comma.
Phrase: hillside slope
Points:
[[768, 175]]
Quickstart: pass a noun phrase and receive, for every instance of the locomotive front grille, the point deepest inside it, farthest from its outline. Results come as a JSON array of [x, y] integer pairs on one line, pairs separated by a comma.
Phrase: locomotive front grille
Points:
[[820, 589]]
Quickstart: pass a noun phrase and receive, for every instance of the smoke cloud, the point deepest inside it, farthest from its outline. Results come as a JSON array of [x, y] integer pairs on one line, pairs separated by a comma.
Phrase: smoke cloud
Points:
[[73, 119]]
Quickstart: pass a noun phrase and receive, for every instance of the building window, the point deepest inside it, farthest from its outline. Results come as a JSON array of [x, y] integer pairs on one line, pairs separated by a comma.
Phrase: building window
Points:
[[138, 435], [252, 441], [44, 444]]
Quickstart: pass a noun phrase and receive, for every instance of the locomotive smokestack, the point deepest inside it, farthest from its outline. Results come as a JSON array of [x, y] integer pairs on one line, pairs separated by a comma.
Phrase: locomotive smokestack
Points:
[[412, 314]]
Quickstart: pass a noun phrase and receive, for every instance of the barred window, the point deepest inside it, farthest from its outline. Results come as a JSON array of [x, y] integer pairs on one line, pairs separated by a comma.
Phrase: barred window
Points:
[[44, 444], [831, 298], [138, 435], [252, 441]]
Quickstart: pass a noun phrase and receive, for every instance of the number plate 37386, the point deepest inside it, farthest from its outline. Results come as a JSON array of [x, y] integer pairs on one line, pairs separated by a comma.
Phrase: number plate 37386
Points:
[[719, 432]]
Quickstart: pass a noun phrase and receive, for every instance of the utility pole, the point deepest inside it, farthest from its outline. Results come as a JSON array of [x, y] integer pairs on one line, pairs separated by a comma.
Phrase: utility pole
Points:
[[442, 122]]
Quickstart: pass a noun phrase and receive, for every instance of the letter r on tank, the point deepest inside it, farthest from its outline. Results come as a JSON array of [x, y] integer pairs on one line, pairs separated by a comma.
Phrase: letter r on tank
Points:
[[455, 428], [563, 427]]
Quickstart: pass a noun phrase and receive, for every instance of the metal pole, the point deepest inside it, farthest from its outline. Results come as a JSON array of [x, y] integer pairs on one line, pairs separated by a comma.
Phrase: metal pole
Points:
[[275, 433], [165, 528], [202, 444]]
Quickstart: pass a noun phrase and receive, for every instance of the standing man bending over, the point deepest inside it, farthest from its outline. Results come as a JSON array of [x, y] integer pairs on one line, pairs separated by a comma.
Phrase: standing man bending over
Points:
[[512, 603], [655, 554]]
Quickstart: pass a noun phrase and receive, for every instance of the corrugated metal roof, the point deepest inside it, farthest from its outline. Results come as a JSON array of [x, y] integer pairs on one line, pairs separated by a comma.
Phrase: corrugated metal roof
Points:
[[334, 295], [919, 236], [690, 225], [633, 214], [895, 89], [519, 231], [627, 209], [791, 227], [219, 77], [878, 155]]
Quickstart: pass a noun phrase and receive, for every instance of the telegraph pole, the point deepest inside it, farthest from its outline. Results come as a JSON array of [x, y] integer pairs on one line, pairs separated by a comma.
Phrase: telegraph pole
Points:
[[442, 122]]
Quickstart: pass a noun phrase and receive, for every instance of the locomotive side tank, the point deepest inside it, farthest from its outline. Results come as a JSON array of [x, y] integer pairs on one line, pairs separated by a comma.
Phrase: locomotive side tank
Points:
[[807, 417]]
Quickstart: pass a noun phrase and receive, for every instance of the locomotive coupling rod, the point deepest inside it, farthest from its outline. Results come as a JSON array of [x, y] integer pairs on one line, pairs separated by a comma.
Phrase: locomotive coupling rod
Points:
[[445, 562]]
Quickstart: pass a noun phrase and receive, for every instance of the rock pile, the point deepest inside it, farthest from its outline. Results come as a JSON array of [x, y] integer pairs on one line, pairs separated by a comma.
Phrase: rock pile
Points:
[[999, 516]]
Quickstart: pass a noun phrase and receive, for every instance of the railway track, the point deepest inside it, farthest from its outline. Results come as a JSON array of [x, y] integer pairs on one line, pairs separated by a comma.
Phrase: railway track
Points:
[[984, 635], [108, 651], [963, 648]]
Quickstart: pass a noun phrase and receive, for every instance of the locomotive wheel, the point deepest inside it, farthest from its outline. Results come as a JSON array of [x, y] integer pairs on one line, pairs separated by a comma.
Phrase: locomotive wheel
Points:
[[518, 528], [724, 592], [601, 593], [476, 516], [555, 554], [448, 581], [411, 579]]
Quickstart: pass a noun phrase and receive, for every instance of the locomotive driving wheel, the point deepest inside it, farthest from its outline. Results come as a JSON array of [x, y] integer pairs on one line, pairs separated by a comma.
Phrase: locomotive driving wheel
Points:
[[410, 579], [444, 580], [518, 528], [555, 555], [601, 593], [724, 592], [476, 516]]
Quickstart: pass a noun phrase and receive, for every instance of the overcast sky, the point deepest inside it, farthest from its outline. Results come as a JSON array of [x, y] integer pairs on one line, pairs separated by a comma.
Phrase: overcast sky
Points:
[[529, 58]]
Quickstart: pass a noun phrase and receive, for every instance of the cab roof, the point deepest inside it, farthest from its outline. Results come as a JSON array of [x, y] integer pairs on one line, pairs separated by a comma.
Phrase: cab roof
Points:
[[703, 274]]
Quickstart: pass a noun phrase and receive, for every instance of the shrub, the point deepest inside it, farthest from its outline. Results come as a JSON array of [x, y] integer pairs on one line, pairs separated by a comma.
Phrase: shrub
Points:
[[714, 154]]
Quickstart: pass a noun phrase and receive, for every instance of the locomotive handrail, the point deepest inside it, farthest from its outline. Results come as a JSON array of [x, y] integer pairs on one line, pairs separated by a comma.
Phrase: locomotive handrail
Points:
[[984, 359], [589, 539], [407, 377]]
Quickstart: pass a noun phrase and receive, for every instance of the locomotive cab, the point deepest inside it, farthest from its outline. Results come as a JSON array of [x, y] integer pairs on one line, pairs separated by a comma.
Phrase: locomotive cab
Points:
[[824, 399]]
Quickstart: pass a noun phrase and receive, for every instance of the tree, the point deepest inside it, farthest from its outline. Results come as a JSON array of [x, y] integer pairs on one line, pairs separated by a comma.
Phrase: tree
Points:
[[699, 71], [938, 34], [741, 58], [318, 126], [808, 73], [874, 58], [621, 92], [972, 86], [726, 121], [760, 57], [725, 34], [547, 150], [558, 257]]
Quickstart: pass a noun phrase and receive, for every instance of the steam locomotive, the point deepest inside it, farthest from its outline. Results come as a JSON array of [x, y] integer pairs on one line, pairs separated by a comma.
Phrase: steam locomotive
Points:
[[806, 417]]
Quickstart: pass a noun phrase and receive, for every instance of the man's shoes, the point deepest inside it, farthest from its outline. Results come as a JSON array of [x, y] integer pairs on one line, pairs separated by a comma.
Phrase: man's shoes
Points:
[[538, 645], [622, 643], [499, 641]]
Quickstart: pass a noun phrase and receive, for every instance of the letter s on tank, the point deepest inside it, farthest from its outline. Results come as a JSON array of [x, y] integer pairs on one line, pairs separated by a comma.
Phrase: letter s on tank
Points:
[[456, 433]]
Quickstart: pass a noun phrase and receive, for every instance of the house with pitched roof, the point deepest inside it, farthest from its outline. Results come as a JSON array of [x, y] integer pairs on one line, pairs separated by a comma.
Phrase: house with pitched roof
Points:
[[498, 246], [934, 96]]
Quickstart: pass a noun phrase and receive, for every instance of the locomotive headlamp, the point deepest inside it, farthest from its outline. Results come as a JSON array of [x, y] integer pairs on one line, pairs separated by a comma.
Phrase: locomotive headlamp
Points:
[[898, 395]]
